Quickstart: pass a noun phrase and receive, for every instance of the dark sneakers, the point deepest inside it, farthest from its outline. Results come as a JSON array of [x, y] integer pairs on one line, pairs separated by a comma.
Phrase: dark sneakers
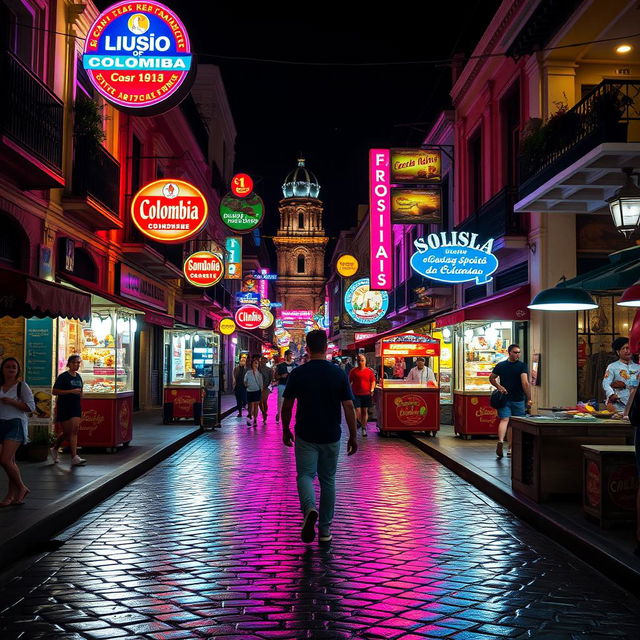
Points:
[[308, 532]]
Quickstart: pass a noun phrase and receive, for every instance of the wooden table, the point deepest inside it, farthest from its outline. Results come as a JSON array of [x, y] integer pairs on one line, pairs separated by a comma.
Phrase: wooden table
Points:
[[547, 454]]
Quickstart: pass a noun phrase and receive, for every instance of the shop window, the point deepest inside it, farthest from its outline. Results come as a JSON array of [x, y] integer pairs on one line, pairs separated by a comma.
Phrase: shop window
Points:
[[84, 266], [475, 171], [510, 108], [18, 22], [13, 243], [301, 265]]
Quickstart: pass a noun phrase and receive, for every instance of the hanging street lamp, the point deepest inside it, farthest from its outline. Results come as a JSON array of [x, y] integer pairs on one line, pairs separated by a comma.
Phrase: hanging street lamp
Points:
[[561, 298], [625, 205]]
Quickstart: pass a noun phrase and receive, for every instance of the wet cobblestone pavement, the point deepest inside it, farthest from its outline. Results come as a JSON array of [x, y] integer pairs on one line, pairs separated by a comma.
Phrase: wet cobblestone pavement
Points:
[[207, 545]]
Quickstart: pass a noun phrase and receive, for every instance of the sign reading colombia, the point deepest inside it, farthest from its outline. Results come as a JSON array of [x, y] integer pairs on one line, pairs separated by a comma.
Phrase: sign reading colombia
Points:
[[137, 54], [169, 210]]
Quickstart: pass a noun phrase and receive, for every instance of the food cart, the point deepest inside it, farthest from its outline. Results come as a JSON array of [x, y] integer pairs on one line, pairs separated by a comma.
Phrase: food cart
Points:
[[191, 376], [402, 405], [106, 346]]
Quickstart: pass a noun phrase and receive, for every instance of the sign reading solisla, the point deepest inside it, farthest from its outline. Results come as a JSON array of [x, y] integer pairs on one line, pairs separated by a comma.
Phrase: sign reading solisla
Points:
[[454, 257], [365, 305], [137, 54]]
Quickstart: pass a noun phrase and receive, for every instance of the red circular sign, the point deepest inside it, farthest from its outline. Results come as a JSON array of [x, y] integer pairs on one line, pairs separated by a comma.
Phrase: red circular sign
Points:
[[169, 210], [249, 317], [137, 54], [203, 269], [411, 409], [241, 185]]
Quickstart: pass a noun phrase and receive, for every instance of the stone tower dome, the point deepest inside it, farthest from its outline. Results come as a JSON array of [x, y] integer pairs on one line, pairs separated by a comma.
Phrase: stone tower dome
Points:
[[301, 183]]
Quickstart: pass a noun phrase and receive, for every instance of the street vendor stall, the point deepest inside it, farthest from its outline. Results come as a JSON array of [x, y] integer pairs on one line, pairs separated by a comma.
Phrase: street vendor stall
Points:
[[192, 376], [403, 405]]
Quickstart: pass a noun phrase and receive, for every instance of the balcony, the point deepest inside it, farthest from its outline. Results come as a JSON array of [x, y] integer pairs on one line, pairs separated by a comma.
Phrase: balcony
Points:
[[31, 121], [95, 192], [573, 163], [142, 254], [496, 219]]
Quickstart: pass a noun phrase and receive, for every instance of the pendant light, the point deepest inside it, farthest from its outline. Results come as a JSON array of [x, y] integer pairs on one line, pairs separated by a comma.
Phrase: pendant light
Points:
[[561, 298], [625, 205], [631, 296]]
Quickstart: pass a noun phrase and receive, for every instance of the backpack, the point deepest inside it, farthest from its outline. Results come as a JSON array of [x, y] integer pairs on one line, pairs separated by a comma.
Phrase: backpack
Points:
[[634, 411]]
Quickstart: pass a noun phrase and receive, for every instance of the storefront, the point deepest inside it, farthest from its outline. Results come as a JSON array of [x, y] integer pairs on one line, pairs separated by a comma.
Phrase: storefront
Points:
[[479, 336], [191, 388], [402, 405]]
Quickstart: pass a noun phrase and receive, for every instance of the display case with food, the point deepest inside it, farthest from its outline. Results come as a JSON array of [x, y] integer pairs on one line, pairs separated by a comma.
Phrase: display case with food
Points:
[[479, 346], [191, 374], [106, 346]]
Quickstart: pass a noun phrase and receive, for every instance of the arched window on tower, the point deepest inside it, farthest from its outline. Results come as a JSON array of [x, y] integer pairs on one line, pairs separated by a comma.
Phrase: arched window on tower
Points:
[[301, 221], [301, 263]]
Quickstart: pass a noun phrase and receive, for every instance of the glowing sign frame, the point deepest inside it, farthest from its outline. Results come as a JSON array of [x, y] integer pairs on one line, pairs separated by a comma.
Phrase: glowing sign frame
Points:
[[380, 249]]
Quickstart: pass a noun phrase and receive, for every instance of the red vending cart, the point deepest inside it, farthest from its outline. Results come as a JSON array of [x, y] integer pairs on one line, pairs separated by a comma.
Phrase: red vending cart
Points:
[[402, 405]]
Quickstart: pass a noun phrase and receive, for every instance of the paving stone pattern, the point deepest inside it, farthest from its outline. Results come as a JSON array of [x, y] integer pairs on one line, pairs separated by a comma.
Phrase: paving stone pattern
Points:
[[206, 545]]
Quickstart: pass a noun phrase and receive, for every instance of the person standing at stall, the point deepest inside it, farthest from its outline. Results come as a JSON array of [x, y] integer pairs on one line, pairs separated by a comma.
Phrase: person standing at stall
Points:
[[239, 389], [421, 374], [68, 389], [16, 400], [254, 384], [282, 375], [620, 376], [321, 390], [363, 384], [511, 377]]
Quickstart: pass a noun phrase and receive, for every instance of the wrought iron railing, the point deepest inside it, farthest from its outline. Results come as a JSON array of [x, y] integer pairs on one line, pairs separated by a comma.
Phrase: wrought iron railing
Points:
[[605, 114], [30, 113], [96, 173], [496, 218]]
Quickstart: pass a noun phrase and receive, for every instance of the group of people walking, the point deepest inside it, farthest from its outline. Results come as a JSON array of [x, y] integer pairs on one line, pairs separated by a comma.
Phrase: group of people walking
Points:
[[16, 405]]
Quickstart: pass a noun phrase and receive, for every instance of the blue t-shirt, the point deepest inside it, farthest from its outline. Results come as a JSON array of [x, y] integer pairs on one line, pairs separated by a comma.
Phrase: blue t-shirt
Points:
[[320, 388]]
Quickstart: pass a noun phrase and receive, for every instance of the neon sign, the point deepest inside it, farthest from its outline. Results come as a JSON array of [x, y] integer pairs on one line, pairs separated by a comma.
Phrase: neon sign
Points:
[[203, 269], [454, 257], [233, 251], [169, 210], [380, 220], [365, 305], [137, 54]]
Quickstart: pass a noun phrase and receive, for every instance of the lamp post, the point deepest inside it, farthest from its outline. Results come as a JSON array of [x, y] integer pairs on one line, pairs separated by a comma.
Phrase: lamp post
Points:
[[625, 205]]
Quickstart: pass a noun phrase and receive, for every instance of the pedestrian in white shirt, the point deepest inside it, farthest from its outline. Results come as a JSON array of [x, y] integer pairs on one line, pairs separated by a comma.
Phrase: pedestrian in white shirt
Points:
[[421, 374], [16, 400]]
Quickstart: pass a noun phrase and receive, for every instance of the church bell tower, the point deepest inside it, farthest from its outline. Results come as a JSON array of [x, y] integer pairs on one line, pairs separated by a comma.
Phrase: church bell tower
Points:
[[300, 242]]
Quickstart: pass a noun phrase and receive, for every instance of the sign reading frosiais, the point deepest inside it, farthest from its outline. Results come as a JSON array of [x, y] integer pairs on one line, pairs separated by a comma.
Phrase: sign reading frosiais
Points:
[[453, 257], [137, 54]]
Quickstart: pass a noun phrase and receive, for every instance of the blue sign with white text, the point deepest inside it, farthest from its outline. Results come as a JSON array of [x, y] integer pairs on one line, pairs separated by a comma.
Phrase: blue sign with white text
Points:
[[247, 297], [454, 257]]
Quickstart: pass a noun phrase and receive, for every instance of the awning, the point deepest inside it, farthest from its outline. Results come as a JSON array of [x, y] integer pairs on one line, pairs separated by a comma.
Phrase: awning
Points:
[[510, 305], [23, 295], [370, 341], [622, 271]]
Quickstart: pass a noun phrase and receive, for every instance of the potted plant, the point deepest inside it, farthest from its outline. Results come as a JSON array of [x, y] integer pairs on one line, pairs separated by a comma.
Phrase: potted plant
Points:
[[87, 124], [40, 443]]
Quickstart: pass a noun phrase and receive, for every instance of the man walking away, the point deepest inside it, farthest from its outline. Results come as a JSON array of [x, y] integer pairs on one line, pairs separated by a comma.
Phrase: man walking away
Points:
[[320, 389], [510, 376], [239, 389], [282, 375], [363, 384]]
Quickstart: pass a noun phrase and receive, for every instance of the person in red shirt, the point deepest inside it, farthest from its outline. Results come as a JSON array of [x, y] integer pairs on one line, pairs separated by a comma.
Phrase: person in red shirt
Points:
[[363, 383]]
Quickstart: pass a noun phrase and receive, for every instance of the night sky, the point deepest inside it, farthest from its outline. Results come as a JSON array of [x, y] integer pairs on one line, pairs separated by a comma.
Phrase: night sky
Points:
[[333, 114]]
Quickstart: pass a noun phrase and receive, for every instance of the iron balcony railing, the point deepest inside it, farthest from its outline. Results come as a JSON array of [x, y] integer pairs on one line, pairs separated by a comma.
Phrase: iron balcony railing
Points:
[[610, 112], [30, 113], [96, 173], [496, 218]]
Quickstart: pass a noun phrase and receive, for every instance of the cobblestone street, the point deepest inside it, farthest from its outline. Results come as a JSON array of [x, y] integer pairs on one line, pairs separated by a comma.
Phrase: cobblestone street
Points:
[[207, 545]]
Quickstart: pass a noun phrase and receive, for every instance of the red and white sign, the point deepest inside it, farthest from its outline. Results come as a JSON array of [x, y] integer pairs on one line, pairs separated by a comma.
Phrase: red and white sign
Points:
[[241, 185], [169, 210], [203, 269], [357, 336], [249, 317], [381, 269]]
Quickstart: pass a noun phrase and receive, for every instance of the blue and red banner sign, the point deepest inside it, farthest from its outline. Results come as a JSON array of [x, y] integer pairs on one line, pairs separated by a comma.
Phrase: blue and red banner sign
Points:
[[137, 54]]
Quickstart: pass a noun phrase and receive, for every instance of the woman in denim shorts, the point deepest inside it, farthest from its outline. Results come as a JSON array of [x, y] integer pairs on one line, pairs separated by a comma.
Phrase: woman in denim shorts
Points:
[[16, 400]]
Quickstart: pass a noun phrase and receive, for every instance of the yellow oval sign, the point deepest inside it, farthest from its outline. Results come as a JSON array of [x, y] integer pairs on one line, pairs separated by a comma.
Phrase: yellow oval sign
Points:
[[227, 326], [347, 265]]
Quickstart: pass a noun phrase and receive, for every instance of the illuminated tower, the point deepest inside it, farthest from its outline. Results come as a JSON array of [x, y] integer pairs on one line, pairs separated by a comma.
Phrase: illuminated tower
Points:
[[300, 243]]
